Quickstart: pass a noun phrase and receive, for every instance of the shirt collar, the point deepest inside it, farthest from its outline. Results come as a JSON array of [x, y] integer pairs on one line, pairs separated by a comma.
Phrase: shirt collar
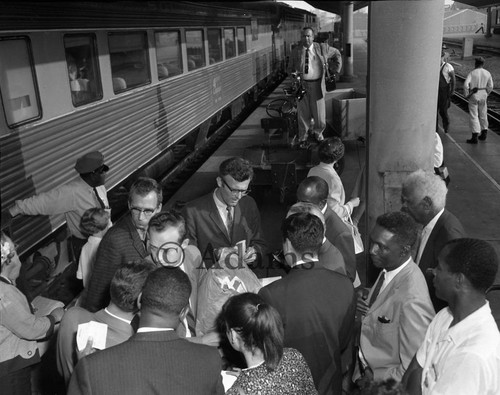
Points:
[[219, 203], [461, 330], [389, 275], [115, 316], [428, 228], [144, 329]]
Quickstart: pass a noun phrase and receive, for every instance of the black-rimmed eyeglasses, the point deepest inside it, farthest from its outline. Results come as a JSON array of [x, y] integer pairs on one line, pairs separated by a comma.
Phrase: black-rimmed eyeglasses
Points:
[[243, 192]]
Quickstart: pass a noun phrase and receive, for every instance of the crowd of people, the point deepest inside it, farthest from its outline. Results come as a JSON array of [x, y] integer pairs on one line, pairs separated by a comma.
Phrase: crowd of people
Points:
[[424, 327]]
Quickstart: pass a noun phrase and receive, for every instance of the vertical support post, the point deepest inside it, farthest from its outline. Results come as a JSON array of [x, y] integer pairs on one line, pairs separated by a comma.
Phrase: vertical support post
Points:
[[347, 23], [404, 55]]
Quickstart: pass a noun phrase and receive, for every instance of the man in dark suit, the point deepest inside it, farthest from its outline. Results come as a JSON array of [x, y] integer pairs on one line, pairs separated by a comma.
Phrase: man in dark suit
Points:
[[169, 246], [123, 242], [424, 197], [125, 288], [154, 360], [317, 305], [227, 216], [315, 190], [329, 256]]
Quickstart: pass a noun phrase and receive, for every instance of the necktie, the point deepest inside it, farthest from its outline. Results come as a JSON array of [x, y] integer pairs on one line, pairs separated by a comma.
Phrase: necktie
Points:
[[229, 218], [306, 62], [101, 202], [376, 291]]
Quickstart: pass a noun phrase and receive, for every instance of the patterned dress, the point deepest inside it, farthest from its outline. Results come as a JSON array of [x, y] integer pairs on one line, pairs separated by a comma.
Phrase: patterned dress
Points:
[[292, 376]]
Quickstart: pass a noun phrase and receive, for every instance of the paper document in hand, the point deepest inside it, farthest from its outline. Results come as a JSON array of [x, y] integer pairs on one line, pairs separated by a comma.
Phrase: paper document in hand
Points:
[[44, 306], [268, 280], [228, 379], [96, 330]]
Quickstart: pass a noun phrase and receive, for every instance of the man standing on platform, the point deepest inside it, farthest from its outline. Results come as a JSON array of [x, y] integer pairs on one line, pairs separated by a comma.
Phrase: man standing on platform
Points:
[[461, 349], [445, 92], [155, 360], [317, 305], [123, 242], [72, 199], [227, 215], [424, 197], [398, 309], [315, 190], [477, 86], [310, 60]]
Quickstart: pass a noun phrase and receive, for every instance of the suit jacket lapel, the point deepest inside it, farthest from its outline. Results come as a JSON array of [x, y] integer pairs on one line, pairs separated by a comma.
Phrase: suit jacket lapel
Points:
[[136, 240], [215, 216], [391, 287], [429, 246]]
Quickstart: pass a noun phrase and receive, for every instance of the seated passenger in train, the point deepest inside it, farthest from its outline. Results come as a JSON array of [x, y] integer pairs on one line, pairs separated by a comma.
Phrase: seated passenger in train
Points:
[[227, 215], [125, 288], [71, 199], [397, 310], [162, 71], [155, 358], [79, 86], [123, 242]]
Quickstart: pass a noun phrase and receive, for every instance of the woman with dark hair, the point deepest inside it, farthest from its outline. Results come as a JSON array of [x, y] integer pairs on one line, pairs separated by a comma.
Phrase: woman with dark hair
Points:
[[255, 329]]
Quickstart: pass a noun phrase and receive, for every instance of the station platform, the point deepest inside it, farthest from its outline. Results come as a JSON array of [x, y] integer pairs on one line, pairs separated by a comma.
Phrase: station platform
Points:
[[474, 191]]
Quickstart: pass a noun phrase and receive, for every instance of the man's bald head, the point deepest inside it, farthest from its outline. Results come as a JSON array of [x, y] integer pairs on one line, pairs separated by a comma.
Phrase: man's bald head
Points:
[[313, 190]]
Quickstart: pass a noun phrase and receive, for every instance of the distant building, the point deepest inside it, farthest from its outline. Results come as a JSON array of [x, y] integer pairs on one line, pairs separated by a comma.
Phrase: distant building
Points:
[[464, 22]]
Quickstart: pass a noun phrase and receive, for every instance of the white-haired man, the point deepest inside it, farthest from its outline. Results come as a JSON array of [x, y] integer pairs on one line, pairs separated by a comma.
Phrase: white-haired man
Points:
[[424, 197]]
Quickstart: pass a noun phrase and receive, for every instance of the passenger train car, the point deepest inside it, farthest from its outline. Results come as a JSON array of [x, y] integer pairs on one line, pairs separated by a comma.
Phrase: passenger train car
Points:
[[131, 79]]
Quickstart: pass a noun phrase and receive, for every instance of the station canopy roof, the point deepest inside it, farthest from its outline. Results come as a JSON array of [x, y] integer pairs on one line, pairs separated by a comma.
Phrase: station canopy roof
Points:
[[337, 6]]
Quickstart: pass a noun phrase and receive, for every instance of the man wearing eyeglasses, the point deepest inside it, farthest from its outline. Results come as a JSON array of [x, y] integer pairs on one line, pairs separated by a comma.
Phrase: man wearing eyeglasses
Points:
[[226, 216], [124, 242], [71, 199]]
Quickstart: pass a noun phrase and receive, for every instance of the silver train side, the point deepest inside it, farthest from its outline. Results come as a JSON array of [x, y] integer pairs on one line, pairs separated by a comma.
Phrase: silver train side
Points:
[[136, 127]]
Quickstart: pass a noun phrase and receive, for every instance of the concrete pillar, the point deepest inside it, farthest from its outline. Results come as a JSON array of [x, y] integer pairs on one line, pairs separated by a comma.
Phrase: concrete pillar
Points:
[[488, 22], [347, 25], [404, 50]]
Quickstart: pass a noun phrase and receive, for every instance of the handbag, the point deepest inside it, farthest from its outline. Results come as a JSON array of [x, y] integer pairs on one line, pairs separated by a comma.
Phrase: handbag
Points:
[[330, 82], [356, 236]]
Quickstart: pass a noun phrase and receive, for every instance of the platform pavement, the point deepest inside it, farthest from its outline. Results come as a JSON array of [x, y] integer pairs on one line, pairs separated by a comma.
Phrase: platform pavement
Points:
[[474, 191]]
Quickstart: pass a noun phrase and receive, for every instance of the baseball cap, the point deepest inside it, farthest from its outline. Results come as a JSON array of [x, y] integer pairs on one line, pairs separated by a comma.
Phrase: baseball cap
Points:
[[89, 162]]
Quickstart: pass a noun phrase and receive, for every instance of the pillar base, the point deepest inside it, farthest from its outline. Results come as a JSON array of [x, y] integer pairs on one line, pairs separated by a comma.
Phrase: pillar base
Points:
[[347, 78]]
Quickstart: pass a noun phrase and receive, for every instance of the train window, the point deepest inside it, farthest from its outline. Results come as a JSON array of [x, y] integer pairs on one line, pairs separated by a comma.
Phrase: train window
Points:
[[195, 46], [83, 69], [242, 40], [214, 45], [229, 43], [129, 60], [18, 83], [168, 53]]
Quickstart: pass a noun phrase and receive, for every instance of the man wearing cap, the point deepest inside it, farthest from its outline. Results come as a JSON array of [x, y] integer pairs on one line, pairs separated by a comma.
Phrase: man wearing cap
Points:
[[477, 86], [445, 91], [72, 199]]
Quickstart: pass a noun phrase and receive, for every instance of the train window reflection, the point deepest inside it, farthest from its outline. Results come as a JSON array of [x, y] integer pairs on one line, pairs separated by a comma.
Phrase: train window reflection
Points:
[[129, 60], [242, 41], [214, 45], [168, 53], [18, 84], [195, 46], [229, 43], [83, 70]]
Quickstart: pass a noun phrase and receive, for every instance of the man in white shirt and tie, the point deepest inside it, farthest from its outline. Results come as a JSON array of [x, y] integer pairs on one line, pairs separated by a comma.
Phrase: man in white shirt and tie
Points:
[[310, 59], [423, 196]]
